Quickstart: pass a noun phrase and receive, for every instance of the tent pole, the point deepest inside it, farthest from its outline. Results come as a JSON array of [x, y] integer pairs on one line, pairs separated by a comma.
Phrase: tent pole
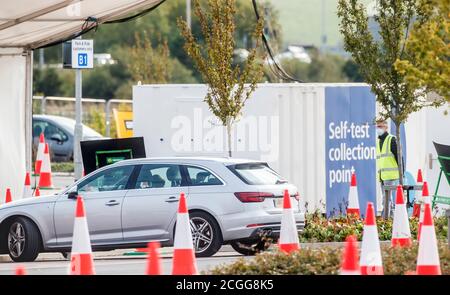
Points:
[[28, 107], [78, 124]]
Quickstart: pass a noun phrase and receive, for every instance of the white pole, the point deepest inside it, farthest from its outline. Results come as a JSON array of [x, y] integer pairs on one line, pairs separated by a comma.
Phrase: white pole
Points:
[[78, 124], [28, 108]]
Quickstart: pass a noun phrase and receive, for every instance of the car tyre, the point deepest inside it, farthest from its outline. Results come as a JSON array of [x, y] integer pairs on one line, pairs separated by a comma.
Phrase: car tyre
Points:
[[23, 240], [205, 227], [250, 248]]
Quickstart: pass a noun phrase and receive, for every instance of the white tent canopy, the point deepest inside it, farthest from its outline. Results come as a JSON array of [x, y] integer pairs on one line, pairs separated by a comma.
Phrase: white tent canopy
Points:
[[26, 25]]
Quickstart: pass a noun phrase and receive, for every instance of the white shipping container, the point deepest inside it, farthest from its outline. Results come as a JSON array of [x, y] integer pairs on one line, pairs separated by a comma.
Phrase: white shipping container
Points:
[[283, 124]]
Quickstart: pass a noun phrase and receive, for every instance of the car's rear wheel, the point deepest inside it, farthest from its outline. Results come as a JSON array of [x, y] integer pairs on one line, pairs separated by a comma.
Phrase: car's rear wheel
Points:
[[23, 240], [206, 234], [250, 248]]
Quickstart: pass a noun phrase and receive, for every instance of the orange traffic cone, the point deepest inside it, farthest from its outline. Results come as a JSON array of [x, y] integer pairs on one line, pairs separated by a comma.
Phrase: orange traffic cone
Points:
[[20, 270], [183, 255], [370, 247], [37, 192], [39, 154], [425, 200], [428, 257], [27, 187], [349, 263], [401, 233], [417, 199], [8, 197], [353, 200], [153, 259], [81, 262], [45, 177], [288, 241]]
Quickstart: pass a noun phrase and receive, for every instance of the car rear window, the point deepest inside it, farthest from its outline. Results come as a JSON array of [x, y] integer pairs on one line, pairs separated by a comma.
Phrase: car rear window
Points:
[[256, 173]]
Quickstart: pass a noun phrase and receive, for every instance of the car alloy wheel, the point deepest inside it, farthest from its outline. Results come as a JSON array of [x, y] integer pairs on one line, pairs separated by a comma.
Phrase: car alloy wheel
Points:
[[202, 233], [16, 239]]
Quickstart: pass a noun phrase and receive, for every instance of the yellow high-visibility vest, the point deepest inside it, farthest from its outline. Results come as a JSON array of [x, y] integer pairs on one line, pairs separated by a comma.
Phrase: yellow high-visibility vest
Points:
[[386, 163]]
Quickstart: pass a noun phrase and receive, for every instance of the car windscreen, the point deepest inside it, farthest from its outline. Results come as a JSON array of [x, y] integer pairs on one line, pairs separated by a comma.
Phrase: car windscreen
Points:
[[256, 174], [69, 124]]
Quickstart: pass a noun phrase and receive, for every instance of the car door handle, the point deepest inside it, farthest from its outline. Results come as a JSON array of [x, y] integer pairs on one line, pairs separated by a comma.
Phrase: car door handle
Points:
[[172, 199], [112, 203]]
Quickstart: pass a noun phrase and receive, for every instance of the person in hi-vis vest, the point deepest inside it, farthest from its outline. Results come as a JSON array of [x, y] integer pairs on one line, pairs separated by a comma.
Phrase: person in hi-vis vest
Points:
[[387, 158]]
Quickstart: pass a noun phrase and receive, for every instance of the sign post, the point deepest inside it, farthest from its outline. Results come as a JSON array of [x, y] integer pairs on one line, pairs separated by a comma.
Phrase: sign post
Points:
[[82, 58]]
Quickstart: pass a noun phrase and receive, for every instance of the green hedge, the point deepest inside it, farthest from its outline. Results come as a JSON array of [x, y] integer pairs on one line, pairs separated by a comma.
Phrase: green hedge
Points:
[[62, 167], [320, 229], [325, 261]]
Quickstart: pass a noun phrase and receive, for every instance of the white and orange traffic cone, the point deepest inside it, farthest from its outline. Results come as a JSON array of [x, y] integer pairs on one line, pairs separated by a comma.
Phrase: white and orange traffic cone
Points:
[[184, 262], [153, 259], [428, 257], [370, 262], [425, 200], [81, 260], [401, 233], [349, 263], [20, 270], [417, 199], [353, 199], [37, 192], [288, 241], [8, 197], [39, 154], [27, 192], [45, 177]]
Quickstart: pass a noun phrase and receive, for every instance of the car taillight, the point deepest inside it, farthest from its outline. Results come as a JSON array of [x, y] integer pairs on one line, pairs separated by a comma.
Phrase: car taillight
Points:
[[297, 196], [252, 197]]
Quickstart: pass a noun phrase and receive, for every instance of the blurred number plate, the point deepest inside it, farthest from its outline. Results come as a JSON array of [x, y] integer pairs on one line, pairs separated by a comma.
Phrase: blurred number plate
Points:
[[278, 202]]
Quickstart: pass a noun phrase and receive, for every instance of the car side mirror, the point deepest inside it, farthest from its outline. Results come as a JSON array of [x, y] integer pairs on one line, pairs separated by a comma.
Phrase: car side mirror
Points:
[[56, 137], [72, 195]]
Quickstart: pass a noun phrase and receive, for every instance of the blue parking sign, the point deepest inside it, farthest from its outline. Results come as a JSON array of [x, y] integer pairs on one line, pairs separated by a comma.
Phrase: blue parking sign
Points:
[[82, 59]]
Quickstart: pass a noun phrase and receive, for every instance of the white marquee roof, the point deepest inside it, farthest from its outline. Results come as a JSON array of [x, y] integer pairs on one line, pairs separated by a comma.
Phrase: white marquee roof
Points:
[[35, 23]]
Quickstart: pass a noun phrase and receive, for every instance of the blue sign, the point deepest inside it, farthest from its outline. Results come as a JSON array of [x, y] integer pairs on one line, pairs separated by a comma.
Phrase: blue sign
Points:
[[82, 59], [350, 140]]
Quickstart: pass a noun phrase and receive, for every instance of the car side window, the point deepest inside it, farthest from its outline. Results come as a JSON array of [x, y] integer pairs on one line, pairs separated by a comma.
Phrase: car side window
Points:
[[112, 179], [200, 176], [159, 175], [48, 129]]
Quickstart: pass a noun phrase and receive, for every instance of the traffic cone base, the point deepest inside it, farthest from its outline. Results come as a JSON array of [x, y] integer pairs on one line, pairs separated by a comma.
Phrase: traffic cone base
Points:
[[428, 270], [81, 264], [288, 248], [401, 242], [372, 270], [185, 262]]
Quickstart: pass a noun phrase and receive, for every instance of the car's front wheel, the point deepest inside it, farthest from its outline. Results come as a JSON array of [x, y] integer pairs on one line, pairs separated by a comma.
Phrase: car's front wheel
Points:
[[206, 234], [23, 240]]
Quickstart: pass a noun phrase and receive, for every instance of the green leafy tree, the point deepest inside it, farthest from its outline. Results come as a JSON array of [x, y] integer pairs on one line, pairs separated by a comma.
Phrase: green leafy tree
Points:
[[428, 44], [398, 97], [149, 64], [227, 91]]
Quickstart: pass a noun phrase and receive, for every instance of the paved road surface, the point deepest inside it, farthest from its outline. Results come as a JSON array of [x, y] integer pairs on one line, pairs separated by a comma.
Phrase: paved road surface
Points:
[[55, 264]]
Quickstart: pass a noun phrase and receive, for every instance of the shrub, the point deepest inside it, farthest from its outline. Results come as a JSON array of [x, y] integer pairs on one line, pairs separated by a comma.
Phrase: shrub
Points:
[[325, 261], [62, 167], [321, 229]]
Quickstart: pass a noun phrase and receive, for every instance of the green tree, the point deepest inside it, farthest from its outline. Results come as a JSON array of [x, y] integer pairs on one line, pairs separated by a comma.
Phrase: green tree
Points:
[[46, 82], [376, 59], [149, 64], [227, 91], [428, 44]]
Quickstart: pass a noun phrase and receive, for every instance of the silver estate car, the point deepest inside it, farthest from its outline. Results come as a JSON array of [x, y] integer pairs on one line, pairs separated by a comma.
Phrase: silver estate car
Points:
[[230, 201]]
